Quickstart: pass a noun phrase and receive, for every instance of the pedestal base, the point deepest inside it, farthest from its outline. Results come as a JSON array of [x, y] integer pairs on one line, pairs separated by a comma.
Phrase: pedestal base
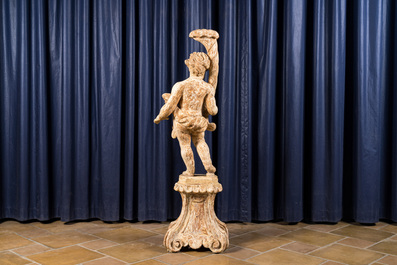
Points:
[[197, 224]]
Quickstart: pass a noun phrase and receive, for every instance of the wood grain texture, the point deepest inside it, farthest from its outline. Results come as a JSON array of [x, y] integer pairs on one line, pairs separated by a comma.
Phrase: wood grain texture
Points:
[[197, 224]]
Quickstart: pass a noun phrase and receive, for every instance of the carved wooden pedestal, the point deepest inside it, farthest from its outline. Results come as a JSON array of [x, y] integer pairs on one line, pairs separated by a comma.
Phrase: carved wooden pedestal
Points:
[[197, 224]]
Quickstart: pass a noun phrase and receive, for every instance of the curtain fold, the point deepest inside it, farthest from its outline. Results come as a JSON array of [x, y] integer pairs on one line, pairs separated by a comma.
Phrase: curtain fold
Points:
[[264, 108], [69, 101], [307, 120], [292, 113], [368, 138], [325, 111], [25, 176]]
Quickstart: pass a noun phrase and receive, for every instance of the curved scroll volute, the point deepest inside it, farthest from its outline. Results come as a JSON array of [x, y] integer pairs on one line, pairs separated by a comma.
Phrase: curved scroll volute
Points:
[[208, 38]]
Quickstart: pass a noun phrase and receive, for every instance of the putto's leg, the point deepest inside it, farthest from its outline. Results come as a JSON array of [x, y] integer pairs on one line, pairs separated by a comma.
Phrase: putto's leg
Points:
[[204, 152], [186, 152]]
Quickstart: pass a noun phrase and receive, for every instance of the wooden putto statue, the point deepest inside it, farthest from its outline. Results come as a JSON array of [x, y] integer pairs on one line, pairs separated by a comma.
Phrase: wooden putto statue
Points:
[[191, 102]]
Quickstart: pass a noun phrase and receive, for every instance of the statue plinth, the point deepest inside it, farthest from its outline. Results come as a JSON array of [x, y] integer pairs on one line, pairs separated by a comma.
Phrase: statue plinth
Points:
[[197, 224]]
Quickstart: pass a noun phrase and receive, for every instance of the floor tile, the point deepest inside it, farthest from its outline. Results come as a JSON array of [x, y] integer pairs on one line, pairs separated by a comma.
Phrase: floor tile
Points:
[[355, 242], [94, 229], [259, 225], [31, 249], [218, 260], [8, 258], [287, 226], [390, 260], [100, 223], [281, 257], [377, 226], [312, 237], [326, 227], [155, 240], [271, 231], [64, 239], [362, 233], [389, 247], [125, 234], [300, 247], [98, 244], [141, 243], [331, 263], [241, 228], [81, 225], [149, 226], [34, 232], [240, 253], [390, 228], [105, 261], [161, 230], [149, 262], [231, 235], [247, 239], [268, 243], [65, 256], [175, 258], [14, 226], [133, 252], [54, 227], [347, 254], [5, 232], [11, 240]]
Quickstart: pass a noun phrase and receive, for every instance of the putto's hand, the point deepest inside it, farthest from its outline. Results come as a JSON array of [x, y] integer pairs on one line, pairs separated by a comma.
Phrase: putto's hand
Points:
[[157, 120]]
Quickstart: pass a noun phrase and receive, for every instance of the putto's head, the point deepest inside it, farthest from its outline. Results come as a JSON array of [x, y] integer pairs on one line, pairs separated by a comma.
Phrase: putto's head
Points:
[[198, 63]]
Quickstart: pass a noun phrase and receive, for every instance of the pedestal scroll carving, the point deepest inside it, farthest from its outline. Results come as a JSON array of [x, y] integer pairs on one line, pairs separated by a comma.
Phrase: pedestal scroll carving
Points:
[[197, 224]]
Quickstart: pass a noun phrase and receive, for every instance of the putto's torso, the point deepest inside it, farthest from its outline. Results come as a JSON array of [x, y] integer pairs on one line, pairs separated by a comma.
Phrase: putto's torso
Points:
[[194, 91]]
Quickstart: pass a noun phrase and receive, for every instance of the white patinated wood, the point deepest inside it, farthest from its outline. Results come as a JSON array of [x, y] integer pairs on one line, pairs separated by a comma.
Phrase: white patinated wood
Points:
[[191, 102], [197, 224]]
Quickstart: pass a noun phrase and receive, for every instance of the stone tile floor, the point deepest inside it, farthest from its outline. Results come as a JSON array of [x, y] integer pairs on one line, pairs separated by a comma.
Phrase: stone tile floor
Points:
[[97, 242]]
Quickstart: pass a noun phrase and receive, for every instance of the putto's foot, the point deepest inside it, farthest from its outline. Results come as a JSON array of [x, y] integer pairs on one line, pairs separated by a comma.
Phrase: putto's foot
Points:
[[187, 173]]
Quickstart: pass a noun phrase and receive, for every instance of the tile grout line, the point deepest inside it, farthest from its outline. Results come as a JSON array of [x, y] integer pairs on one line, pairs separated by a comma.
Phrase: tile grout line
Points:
[[23, 257], [294, 241], [378, 260], [253, 250], [358, 248], [172, 263], [154, 258], [325, 260], [330, 231], [118, 244], [328, 245], [155, 234], [96, 251], [34, 242]]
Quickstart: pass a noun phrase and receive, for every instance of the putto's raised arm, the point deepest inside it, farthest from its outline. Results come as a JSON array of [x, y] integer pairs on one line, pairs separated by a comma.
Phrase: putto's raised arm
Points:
[[210, 104]]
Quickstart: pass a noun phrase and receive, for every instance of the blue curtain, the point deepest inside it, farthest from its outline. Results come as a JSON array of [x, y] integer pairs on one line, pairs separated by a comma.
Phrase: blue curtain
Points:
[[307, 97]]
